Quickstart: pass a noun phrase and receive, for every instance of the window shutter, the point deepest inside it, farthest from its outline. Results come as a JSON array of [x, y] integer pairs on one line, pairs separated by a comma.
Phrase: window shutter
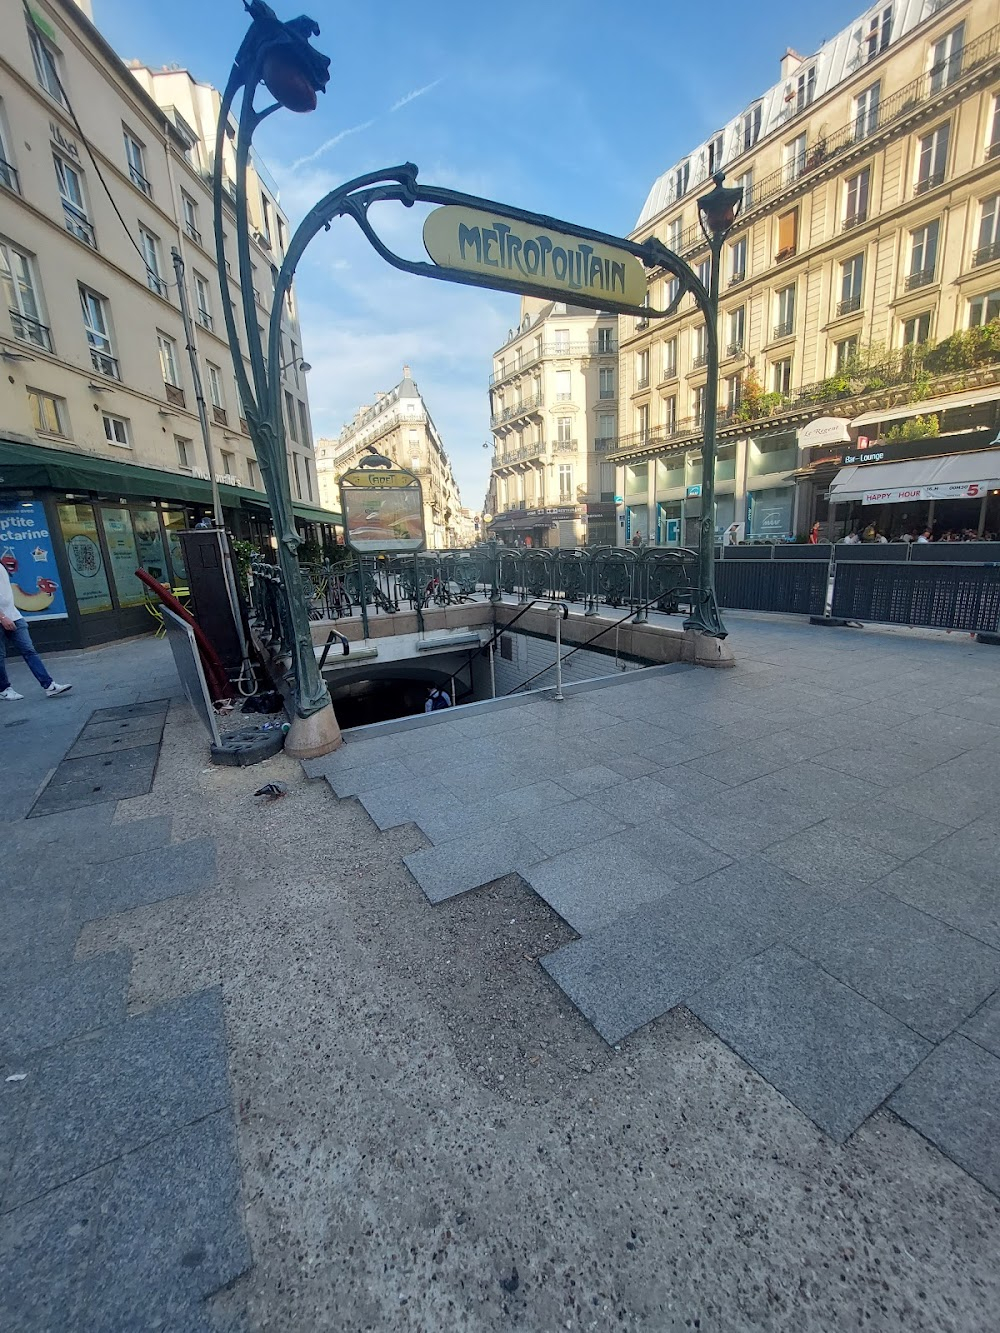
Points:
[[788, 229]]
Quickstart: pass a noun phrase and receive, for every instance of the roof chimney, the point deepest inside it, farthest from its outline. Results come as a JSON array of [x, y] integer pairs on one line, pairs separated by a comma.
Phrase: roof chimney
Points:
[[790, 62], [406, 373]]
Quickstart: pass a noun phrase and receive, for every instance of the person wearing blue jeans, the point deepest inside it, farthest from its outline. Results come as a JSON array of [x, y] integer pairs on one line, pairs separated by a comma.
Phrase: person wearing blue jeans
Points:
[[14, 630]]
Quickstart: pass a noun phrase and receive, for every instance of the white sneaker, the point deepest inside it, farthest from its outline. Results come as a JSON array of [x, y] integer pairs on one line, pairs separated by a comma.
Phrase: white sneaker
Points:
[[10, 694], [55, 689]]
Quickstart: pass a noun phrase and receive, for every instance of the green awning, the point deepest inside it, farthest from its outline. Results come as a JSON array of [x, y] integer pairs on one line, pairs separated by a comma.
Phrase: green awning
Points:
[[24, 466]]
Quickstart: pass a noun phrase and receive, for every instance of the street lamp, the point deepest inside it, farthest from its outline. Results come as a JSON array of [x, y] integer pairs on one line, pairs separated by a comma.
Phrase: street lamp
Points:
[[279, 56], [717, 213]]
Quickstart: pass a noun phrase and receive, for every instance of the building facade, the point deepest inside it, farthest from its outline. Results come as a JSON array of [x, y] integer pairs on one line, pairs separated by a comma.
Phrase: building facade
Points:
[[399, 426], [554, 417], [860, 291], [104, 171]]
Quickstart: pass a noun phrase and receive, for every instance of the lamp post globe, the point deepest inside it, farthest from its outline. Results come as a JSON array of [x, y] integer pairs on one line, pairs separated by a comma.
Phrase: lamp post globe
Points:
[[717, 210]]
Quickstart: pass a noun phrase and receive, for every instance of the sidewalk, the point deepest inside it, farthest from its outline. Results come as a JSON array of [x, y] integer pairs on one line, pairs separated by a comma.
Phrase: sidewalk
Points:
[[271, 1085]]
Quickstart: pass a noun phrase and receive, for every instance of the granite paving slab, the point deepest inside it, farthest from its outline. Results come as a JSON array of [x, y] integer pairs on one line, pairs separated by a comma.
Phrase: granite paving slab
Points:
[[146, 877], [38, 937], [87, 746], [461, 864], [831, 1052], [974, 851], [149, 709], [685, 856], [52, 859], [88, 995], [590, 778], [559, 828], [13, 1103], [969, 905], [531, 804], [983, 1027], [637, 801], [101, 1096], [953, 1099], [926, 974], [114, 728], [754, 759], [95, 768], [117, 777], [832, 855]]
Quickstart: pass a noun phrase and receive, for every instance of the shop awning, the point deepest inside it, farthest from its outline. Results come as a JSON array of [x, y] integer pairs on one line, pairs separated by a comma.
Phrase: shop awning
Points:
[[954, 477], [30, 466], [944, 404]]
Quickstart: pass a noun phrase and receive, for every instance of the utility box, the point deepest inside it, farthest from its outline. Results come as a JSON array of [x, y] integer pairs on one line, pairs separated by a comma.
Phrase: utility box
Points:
[[204, 556]]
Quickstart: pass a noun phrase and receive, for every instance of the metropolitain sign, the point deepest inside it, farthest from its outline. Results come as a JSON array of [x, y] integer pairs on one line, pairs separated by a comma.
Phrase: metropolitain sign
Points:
[[490, 244]]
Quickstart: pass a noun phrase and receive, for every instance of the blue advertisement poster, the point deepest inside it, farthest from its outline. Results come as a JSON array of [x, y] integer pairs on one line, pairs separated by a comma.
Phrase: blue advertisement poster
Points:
[[27, 555]]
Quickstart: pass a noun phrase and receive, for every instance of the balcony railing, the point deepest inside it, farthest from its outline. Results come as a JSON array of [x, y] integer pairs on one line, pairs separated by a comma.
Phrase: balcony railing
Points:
[[219, 414], [733, 350], [193, 232], [205, 319], [993, 151], [9, 176], [849, 305], [923, 277], [594, 347], [140, 181], [105, 364], [243, 426], [155, 283], [669, 371], [699, 361], [642, 382], [784, 329], [738, 277], [986, 254], [564, 447], [29, 330], [603, 445], [516, 410], [855, 219], [929, 182], [78, 225], [175, 394]]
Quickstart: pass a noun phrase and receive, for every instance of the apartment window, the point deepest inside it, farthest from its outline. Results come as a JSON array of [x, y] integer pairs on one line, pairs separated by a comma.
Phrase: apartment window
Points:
[[923, 255], [48, 413], [17, 269], [135, 155], [793, 156], [670, 289], [670, 358], [805, 88], [46, 60], [253, 474], [946, 59], [715, 152], [750, 126], [309, 485], [785, 311], [879, 32], [642, 421], [564, 386], [202, 302], [737, 330], [281, 236], [168, 360], [642, 369], [305, 433], [852, 277], [151, 254], [670, 414], [605, 340], [699, 348], [215, 386], [856, 198], [985, 308], [844, 352], [607, 428], [294, 359], [681, 179], [228, 463], [564, 429], [788, 234], [8, 172], [866, 112], [988, 246], [606, 382], [992, 146], [704, 272], [295, 473], [561, 340], [738, 260], [745, 183], [932, 158], [189, 214], [293, 425], [698, 405], [184, 453], [117, 430], [73, 201], [97, 325], [675, 233], [782, 376], [565, 481], [917, 329], [734, 392], [265, 217]]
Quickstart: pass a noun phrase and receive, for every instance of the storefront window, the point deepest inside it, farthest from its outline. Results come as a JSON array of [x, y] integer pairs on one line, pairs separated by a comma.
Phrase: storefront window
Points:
[[635, 479], [123, 556], [637, 522], [149, 542], [670, 473], [770, 512], [774, 453], [668, 523], [83, 550], [725, 463], [725, 515], [174, 521]]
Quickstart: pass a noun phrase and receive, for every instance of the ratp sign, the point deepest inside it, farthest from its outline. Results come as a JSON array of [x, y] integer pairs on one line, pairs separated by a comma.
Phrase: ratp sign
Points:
[[490, 244]]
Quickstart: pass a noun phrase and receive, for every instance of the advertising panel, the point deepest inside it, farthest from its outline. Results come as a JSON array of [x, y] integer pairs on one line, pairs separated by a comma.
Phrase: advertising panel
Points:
[[27, 555], [123, 556], [83, 550], [383, 511]]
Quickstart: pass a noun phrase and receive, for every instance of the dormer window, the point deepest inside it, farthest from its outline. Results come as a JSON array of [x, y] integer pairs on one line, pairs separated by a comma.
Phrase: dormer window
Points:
[[879, 31], [681, 179], [715, 146]]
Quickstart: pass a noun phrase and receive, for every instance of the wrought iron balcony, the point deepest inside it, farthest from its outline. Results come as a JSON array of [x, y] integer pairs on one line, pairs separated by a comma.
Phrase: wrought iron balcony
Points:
[[79, 225], [564, 447], [643, 381], [986, 254], [105, 364], [733, 350], [193, 232], [516, 410], [922, 277], [155, 283], [849, 304], [603, 445], [205, 319], [855, 219], [784, 329], [929, 182], [29, 330], [738, 277], [175, 394], [9, 176], [140, 181], [699, 361]]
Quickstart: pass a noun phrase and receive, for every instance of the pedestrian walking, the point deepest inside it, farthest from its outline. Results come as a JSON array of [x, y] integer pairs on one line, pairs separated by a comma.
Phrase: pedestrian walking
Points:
[[14, 630], [436, 699]]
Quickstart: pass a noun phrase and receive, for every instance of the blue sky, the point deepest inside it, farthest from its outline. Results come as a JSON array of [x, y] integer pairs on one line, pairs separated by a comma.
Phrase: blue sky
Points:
[[566, 108]]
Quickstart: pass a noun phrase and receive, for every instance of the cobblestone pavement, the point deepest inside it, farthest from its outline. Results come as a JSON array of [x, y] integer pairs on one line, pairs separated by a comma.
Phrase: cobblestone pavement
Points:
[[694, 1023]]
